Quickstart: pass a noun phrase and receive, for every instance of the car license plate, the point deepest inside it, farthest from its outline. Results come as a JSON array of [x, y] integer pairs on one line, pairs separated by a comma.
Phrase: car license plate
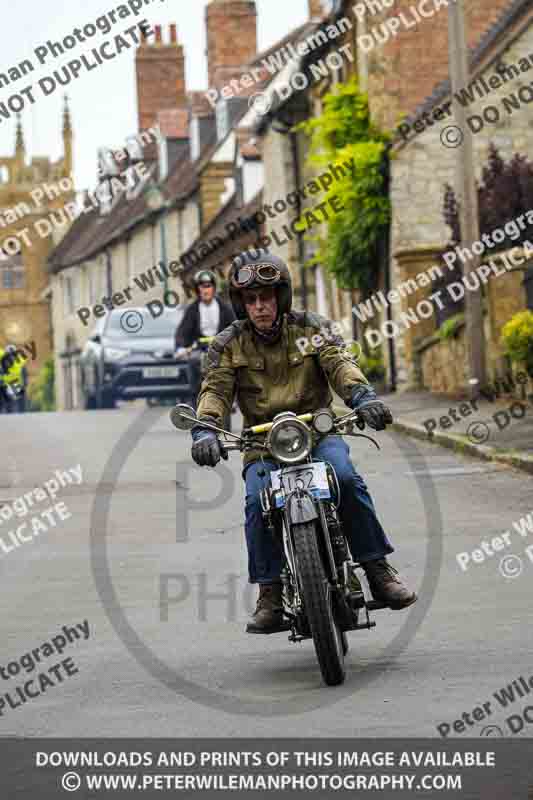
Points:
[[312, 477], [161, 372]]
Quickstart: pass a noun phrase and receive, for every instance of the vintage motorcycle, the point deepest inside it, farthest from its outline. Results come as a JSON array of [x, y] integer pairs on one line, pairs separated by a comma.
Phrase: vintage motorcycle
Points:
[[325, 593]]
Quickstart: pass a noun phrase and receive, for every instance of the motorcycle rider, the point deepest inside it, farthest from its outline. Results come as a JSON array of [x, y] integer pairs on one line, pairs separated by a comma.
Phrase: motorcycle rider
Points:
[[257, 356], [206, 316], [14, 374]]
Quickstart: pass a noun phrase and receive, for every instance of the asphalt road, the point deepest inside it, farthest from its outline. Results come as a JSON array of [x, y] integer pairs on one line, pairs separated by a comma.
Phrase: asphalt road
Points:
[[165, 657]]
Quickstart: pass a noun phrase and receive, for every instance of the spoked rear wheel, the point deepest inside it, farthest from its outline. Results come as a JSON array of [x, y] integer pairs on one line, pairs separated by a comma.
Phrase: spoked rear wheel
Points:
[[327, 636]]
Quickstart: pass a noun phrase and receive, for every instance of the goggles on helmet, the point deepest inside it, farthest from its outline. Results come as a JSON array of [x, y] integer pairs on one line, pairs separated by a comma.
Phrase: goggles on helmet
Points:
[[265, 274]]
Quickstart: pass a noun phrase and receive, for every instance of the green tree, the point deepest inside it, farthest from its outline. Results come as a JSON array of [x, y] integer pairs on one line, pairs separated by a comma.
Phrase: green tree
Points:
[[41, 391], [345, 133]]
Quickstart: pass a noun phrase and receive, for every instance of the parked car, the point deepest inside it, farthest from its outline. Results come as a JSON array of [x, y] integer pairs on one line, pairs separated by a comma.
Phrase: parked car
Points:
[[131, 355]]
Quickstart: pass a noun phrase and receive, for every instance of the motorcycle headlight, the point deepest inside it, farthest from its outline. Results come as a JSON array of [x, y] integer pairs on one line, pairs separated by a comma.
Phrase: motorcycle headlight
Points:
[[114, 354], [290, 441]]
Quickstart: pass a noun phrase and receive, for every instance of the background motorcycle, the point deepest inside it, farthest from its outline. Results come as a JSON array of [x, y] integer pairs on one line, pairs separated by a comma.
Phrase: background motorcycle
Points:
[[324, 591]]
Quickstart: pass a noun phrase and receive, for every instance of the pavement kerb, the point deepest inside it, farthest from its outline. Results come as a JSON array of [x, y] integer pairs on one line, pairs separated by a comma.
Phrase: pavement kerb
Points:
[[461, 444]]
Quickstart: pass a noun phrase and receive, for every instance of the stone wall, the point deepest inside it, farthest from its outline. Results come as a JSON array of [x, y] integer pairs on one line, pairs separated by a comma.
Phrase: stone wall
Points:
[[421, 168], [441, 365]]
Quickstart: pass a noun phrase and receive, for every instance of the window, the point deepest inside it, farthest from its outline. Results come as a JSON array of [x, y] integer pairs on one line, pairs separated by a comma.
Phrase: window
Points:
[[223, 123], [93, 282], [70, 294], [12, 273]]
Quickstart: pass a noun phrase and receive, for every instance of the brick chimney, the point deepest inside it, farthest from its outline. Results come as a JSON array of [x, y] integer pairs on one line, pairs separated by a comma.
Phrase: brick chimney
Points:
[[160, 67], [316, 9], [231, 38]]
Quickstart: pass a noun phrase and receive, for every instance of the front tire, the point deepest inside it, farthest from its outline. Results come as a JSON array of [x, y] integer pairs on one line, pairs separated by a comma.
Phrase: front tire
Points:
[[327, 636]]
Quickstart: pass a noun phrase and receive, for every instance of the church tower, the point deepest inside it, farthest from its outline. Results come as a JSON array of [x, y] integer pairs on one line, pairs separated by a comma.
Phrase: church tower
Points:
[[33, 194]]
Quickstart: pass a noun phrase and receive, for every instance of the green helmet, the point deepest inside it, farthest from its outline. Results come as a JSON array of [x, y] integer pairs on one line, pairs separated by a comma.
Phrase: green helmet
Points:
[[205, 276]]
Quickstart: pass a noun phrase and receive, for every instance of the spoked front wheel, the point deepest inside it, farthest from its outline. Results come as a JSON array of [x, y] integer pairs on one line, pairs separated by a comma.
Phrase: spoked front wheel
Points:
[[327, 635]]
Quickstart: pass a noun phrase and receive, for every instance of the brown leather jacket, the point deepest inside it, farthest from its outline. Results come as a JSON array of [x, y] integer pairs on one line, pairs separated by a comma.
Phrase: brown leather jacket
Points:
[[270, 378]]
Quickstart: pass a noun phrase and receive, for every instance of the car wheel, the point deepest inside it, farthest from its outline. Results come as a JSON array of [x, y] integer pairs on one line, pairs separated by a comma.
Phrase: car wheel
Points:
[[105, 398], [89, 400]]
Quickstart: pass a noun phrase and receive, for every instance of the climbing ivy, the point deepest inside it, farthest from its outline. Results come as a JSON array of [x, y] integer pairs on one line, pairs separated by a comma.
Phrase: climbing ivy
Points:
[[344, 133]]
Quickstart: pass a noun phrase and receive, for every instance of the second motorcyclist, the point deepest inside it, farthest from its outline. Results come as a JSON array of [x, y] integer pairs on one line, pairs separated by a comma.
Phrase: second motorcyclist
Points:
[[258, 358], [205, 317]]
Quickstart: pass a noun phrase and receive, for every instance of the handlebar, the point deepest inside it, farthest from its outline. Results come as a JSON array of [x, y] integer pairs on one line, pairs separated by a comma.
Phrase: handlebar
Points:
[[182, 421]]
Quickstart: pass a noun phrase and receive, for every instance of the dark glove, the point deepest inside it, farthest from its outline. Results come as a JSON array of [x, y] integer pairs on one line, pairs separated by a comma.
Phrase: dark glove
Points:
[[373, 411], [206, 449]]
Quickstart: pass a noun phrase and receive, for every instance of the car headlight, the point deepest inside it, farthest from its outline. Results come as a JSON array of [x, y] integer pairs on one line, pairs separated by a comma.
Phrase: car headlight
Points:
[[114, 354], [290, 440]]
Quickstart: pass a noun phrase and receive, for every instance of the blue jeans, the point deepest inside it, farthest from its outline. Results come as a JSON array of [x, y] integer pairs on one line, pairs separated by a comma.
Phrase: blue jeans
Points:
[[366, 537]]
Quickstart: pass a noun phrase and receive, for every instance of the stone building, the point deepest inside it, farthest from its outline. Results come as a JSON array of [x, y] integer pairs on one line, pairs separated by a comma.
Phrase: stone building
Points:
[[210, 168], [120, 236], [222, 158], [32, 196], [421, 167]]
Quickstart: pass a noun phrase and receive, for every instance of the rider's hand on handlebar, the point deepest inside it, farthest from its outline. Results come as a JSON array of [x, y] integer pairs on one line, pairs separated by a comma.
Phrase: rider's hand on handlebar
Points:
[[373, 411], [206, 449]]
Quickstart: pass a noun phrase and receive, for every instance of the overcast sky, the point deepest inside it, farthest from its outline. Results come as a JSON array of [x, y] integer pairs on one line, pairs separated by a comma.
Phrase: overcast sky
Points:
[[103, 101]]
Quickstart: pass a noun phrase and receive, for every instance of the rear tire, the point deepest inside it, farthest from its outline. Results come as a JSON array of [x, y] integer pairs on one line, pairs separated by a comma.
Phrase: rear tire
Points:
[[327, 636]]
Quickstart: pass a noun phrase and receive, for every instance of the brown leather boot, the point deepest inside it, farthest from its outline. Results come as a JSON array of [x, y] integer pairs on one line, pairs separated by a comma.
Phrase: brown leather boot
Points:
[[268, 615], [386, 586]]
